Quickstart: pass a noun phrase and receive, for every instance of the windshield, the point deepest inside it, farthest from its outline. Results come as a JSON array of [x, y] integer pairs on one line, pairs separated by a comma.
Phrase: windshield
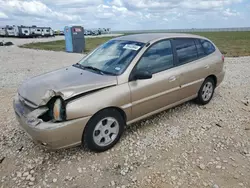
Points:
[[113, 57]]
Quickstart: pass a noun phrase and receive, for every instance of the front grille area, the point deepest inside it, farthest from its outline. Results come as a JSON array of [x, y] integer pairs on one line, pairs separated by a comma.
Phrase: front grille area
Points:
[[26, 109], [27, 104]]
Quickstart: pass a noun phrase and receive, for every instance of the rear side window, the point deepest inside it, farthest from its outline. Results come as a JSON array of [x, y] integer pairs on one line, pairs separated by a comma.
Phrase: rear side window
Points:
[[159, 57], [200, 49], [207, 46], [186, 50]]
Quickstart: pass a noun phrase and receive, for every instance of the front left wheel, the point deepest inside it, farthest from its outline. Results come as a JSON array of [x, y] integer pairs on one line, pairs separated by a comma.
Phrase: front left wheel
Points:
[[103, 130]]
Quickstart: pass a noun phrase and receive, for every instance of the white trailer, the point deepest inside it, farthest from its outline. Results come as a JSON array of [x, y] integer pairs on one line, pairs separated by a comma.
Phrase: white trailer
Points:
[[10, 32], [47, 32], [16, 31], [35, 31], [2, 31], [51, 32], [24, 31]]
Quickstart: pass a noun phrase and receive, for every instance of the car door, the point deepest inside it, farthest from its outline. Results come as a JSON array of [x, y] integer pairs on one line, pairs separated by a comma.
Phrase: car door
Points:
[[192, 67], [151, 95]]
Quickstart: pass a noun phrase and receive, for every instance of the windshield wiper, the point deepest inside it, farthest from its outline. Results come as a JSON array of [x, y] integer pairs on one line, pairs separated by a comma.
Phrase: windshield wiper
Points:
[[98, 70], [93, 68]]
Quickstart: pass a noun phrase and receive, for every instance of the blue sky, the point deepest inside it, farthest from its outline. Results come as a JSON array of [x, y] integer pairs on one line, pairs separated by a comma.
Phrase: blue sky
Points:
[[127, 14]]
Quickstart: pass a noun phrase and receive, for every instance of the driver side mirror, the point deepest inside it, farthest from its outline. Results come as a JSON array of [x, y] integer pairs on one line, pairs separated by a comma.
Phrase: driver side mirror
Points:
[[142, 75]]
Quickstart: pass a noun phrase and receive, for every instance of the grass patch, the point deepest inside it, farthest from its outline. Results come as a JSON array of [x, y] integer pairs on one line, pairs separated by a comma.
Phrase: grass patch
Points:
[[231, 44], [91, 43]]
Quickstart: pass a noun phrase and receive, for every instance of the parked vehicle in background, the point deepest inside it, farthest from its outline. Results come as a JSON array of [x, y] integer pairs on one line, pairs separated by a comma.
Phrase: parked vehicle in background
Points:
[[87, 32], [104, 30], [61, 33], [58, 32], [96, 32], [10, 32], [123, 81], [35, 31], [2, 31], [47, 31], [26, 31], [51, 32]]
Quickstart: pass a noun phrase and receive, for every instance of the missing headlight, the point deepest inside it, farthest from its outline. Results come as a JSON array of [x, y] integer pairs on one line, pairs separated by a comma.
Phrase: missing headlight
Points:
[[56, 112]]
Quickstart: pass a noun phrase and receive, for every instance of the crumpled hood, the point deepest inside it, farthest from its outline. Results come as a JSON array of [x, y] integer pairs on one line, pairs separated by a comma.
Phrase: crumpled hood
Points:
[[66, 82]]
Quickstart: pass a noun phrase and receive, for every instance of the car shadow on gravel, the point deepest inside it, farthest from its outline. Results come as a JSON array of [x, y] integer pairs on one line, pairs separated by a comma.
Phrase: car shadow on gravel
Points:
[[157, 117]]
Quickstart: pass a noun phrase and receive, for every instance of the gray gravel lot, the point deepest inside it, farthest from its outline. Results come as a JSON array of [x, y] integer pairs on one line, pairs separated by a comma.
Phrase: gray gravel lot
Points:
[[187, 146], [21, 41]]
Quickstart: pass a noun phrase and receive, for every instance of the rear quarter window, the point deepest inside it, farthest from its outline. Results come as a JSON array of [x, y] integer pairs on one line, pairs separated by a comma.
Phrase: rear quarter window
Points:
[[186, 50], [207, 46], [200, 49]]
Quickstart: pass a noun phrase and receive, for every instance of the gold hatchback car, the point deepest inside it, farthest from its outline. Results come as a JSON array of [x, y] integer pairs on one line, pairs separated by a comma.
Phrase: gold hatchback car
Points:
[[124, 80]]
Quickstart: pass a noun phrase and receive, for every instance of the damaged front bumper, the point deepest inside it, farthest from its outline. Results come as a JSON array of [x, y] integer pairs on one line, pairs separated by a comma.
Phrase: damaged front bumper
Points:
[[52, 135]]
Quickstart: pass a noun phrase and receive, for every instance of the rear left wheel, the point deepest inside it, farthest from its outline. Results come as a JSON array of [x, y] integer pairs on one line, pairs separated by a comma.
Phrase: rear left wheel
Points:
[[103, 130], [206, 91]]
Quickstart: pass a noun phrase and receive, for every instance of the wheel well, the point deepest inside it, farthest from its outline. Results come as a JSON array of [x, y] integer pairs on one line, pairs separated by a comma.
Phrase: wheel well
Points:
[[123, 114], [214, 78]]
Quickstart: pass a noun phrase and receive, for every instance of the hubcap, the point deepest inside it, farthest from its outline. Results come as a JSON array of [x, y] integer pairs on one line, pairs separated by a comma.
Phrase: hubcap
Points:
[[106, 131], [207, 91]]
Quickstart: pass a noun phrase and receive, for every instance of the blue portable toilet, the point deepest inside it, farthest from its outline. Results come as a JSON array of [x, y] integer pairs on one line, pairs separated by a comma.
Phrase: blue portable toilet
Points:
[[74, 39]]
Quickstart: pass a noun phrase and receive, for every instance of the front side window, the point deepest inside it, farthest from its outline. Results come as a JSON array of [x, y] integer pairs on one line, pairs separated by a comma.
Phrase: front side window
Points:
[[208, 46], [113, 57], [186, 50], [158, 57]]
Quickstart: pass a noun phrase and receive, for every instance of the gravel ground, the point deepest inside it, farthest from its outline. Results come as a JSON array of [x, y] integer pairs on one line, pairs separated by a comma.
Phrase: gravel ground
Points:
[[187, 146], [21, 41]]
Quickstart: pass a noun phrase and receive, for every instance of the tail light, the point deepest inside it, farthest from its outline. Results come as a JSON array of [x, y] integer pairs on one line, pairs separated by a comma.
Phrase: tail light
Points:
[[223, 58]]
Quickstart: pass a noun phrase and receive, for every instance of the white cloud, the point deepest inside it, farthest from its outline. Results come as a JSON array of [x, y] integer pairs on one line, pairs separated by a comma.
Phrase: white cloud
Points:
[[173, 10], [228, 12], [170, 4], [34, 8], [120, 14], [73, 2], [3, 15]]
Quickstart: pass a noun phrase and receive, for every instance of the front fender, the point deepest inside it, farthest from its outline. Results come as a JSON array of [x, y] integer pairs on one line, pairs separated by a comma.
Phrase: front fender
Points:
[[88, 105]]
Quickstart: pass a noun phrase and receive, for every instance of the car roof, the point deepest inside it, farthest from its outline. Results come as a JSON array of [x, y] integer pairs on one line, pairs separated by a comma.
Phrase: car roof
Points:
[[147, 37]]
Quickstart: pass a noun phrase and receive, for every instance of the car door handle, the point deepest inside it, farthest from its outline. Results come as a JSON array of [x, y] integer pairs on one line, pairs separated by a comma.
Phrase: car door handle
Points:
[[207, 67], [172, 79]]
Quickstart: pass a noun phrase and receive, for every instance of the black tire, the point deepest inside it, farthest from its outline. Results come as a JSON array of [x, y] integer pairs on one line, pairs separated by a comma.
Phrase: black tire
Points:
[[200, 98], [88, 134]]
